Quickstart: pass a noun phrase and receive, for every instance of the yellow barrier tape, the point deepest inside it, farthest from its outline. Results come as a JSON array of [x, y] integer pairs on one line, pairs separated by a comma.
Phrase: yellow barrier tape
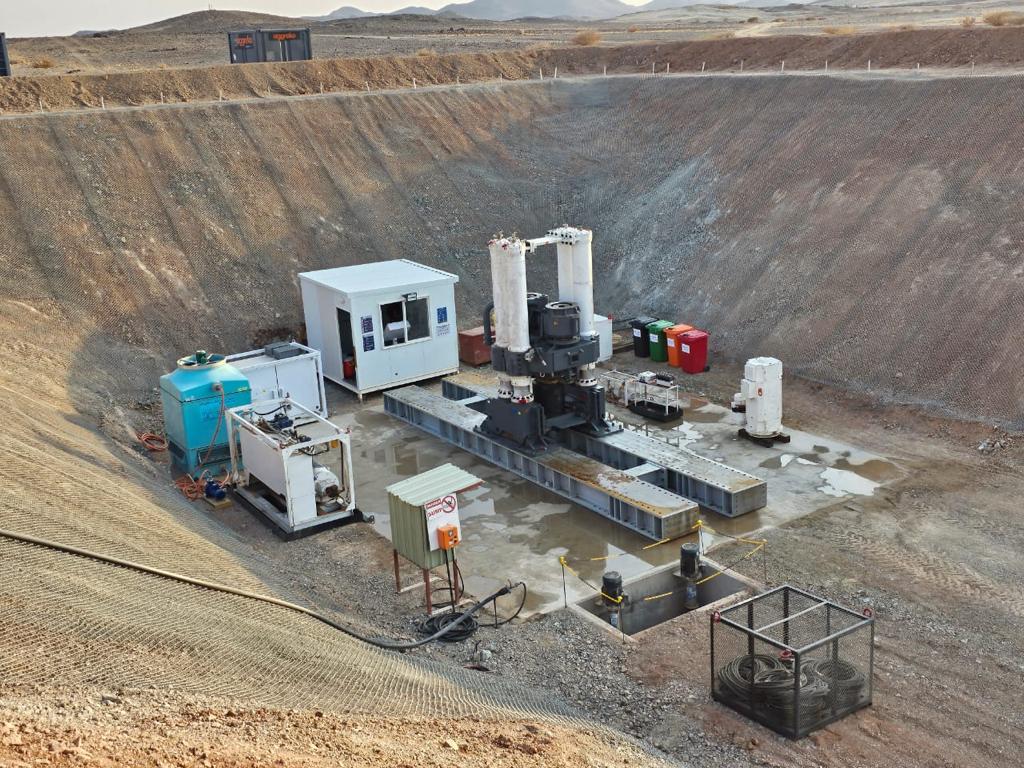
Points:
[[599, 558], [697, 527], [714, 575], [730, 567], [658, 597], [564, 564]]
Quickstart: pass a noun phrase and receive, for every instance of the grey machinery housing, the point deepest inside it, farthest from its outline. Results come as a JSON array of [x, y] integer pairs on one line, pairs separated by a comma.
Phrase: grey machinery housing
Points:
[[556, 354]]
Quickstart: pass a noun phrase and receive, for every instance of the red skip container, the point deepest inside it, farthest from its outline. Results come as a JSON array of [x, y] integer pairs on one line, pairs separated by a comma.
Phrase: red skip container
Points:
[[693, 351]]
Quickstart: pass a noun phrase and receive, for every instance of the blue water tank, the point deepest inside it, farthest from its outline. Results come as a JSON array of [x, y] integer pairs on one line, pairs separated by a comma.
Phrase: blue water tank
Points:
[[195, 398]]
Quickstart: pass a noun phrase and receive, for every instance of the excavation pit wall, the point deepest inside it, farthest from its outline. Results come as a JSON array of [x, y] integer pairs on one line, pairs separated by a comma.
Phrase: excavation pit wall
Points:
[[845, 226]]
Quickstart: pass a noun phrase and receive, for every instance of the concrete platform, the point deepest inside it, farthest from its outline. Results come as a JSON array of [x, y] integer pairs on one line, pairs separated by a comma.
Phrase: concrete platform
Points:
[[619, 494], [513, 528]]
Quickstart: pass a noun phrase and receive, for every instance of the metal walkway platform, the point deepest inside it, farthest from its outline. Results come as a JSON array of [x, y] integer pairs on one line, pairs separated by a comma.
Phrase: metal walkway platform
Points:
[[623, 495], [713, 485]]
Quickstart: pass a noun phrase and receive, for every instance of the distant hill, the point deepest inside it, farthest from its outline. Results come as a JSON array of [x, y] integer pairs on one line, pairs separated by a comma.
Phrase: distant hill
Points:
[[503, 10], [697, 12], [351, 12], [666, 5], [345, 12], [489, 10], [217, 21]]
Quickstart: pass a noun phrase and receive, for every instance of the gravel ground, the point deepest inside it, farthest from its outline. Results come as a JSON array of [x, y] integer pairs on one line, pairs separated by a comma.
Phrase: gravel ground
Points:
[[656, 688]]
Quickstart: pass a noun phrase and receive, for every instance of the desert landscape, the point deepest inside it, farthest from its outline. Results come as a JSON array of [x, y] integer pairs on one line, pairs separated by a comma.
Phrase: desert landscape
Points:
[[832, 185]]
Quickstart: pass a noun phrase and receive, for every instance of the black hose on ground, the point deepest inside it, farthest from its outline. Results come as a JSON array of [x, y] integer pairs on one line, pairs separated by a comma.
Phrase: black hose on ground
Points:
[[391, 645], [457, 629]]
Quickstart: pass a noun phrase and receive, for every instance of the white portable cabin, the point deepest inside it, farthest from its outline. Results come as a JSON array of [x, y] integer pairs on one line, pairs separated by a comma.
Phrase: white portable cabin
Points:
[[393, 321]]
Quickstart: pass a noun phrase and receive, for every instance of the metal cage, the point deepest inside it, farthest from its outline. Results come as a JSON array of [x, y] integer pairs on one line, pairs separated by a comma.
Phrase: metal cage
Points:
[[792, 661]]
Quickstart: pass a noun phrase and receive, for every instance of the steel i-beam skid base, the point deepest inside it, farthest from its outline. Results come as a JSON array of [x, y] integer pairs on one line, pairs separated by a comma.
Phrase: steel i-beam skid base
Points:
[[713, 485], [623, 496]]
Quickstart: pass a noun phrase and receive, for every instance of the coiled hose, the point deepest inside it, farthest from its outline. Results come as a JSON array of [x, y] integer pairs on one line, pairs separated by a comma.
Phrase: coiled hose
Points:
[[439, 622], [768, 681]]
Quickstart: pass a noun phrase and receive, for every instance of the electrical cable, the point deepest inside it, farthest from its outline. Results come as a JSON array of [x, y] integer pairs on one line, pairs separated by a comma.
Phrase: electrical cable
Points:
[[449, 587], [273, 410], [152, 441], [455, 626], [390, 645], [844, 679], [768, 682]]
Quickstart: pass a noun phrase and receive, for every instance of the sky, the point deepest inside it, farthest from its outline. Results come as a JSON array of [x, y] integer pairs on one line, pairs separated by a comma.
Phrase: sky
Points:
[[19, 18]]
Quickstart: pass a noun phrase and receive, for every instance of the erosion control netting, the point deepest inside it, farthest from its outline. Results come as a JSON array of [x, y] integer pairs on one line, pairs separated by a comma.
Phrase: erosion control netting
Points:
[[847, 226], [75, 622], [93, 624], [792, 661]]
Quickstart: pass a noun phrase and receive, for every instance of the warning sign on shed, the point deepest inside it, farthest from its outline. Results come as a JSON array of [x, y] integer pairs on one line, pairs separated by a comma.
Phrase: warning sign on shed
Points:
[[439, 512]]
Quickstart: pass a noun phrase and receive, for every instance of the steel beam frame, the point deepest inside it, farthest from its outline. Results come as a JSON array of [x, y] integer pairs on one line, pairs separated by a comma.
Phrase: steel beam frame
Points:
[[713, 485], [620, 496]]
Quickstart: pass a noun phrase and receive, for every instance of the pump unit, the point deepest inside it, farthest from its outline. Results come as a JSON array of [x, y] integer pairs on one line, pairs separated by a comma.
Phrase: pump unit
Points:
[[760, 398], [284, 369], [195, 398], [297, 465]]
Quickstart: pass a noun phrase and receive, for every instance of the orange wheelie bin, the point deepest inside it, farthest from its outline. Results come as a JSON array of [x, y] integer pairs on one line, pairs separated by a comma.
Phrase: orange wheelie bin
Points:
[[672, 340]]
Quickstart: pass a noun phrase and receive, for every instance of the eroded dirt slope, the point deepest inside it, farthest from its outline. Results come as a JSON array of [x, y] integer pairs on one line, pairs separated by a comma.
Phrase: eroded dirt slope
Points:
[[132, 70], [865, 231]]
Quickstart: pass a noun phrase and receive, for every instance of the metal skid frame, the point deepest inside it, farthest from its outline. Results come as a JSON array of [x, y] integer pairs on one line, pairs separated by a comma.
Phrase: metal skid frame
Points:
[[623, 496], [333, 436], [713, 485], [639, 482]]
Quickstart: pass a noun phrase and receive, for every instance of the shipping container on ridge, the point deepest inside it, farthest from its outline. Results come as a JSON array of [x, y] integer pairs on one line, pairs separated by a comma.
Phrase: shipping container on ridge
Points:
[[252, 46]]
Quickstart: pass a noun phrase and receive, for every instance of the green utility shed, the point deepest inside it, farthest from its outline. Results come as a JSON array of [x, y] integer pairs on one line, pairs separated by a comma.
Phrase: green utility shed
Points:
[[418, 505], [406, 501]]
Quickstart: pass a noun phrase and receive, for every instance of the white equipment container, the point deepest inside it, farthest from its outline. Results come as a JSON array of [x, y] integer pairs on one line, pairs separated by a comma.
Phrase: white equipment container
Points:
[[603, 326], [383, 324], [297, 465], [760, 398], [284, 369]]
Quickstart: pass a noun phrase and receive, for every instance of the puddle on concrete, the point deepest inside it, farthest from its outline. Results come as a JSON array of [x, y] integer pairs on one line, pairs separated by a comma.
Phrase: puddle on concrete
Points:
[[842, 478], [706, 414], [513, 529], [777, 462], [840, 482], [687, 433], [784, 460], [878, 470]]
